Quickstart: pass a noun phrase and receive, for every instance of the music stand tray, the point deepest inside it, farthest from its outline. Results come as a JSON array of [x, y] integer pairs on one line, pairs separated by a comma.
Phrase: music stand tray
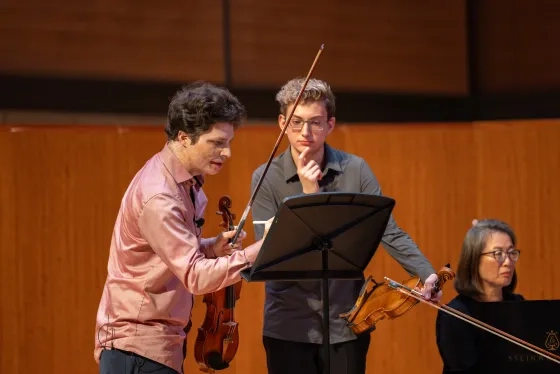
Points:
[[327, 235]]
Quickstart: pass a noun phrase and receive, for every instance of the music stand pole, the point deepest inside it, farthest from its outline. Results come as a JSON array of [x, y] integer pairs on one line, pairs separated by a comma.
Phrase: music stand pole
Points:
[[326, 312]]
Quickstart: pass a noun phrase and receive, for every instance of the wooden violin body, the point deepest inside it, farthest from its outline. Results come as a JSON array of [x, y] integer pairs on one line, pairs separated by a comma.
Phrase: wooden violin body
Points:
[[383, 302], [218, 338]]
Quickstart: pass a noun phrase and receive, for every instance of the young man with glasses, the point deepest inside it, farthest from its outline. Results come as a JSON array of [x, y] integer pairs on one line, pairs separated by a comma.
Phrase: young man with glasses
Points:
[[293, 310]]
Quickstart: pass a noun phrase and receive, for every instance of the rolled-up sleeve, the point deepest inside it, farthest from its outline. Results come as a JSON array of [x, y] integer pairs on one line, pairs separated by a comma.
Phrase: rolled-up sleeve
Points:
[[206, 247], [163, 227], [398, 243]]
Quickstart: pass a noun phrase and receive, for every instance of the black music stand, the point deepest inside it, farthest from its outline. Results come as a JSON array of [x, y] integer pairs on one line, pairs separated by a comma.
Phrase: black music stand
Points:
[[328, 235]]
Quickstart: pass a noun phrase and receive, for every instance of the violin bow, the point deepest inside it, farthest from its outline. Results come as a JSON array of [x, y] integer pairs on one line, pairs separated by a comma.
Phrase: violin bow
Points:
[[273, 153], [473, 321]]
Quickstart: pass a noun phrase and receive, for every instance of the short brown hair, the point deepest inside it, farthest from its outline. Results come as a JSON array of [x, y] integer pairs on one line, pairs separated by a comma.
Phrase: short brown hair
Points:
[[315, 90], [467, 280], [195, 108]]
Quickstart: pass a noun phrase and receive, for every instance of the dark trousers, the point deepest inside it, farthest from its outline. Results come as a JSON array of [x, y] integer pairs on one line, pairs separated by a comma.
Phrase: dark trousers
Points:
[[116, 361], [286, 357]]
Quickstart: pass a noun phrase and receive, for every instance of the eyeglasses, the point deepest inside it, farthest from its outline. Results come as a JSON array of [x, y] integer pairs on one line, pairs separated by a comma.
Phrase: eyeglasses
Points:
[[314, 124], [500, 255]]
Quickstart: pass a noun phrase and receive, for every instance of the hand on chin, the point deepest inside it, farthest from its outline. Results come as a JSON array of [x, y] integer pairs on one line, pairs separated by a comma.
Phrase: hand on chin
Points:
[[302, 147]]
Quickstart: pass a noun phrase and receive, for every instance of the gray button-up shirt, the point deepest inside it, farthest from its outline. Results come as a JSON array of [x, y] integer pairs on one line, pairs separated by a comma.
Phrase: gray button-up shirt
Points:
[[293, 309]]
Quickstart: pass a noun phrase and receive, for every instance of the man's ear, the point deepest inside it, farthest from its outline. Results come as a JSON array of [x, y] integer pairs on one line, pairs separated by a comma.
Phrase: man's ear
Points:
[[281, 120], [184, 138], [331, 123]]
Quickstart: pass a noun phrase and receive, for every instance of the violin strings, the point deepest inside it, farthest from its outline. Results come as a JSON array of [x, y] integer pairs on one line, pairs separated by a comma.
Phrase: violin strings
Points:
[[412, 293]]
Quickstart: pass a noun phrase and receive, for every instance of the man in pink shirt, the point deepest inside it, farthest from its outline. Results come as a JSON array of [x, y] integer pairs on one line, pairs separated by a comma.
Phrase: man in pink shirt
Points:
[[158, 259]]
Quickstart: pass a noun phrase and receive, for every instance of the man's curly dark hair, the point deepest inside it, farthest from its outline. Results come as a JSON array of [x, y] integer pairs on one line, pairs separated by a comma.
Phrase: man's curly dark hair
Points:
[[195, 108]]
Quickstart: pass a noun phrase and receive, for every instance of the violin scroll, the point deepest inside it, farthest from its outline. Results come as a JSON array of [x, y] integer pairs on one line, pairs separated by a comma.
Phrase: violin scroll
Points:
[[224, 205], [445, 274]]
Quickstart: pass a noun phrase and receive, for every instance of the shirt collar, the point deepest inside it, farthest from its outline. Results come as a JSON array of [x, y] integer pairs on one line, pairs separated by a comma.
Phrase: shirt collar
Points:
[[332, 163], [177, 169]]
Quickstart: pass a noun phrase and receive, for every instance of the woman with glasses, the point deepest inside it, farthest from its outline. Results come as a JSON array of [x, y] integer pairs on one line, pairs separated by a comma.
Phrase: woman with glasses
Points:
[[485, 273]]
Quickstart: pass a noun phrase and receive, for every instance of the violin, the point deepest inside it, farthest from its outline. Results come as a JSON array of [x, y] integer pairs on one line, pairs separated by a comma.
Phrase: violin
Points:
[[384, 302], [391, 299], [218, 337], [409, 292]]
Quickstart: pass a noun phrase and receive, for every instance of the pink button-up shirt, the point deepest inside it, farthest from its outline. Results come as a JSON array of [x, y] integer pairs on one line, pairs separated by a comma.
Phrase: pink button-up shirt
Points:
[[157, 263]]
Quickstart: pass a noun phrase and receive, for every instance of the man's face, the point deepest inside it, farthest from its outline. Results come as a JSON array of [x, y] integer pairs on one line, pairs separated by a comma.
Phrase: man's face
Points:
[[308, 127], [212, 149]]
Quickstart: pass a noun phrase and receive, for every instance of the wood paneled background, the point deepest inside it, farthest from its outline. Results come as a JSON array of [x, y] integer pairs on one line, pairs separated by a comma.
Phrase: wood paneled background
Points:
[[406, 47], [61, 188], [515, 46], [399, 46]]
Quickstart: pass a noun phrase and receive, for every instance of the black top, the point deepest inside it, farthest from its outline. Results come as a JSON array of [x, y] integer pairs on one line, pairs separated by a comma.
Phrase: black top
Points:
[[457, 340], [293, 309]]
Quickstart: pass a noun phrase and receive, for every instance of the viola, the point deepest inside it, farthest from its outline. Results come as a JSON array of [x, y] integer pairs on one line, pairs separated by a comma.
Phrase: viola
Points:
[[409, 292], [384, 302], [218, 337], [391, 299]]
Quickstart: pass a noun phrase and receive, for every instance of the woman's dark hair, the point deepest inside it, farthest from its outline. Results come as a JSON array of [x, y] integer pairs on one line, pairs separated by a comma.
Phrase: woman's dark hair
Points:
[[195, 108], [467, 281]]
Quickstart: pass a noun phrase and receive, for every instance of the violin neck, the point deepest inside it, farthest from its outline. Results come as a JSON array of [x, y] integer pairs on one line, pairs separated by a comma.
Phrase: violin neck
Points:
[[230, 297]]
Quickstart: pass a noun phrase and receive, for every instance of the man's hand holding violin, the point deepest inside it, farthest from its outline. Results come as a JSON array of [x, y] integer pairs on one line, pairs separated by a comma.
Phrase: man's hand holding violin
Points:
[[431, 280], [428, 288]]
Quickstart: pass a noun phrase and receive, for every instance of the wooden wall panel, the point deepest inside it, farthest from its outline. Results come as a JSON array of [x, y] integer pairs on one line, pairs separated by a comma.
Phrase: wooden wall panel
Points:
[[426, 168], [63, 194], [11, 320], [177, 41], [61, 189], [400, 46], [517, 46], [519, 175]]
